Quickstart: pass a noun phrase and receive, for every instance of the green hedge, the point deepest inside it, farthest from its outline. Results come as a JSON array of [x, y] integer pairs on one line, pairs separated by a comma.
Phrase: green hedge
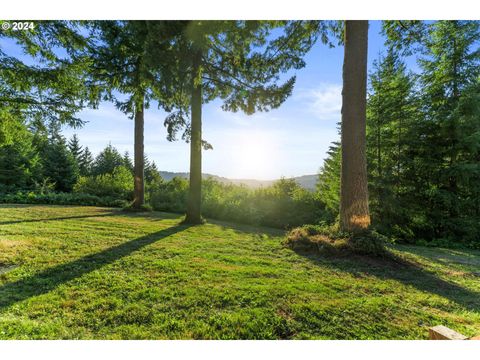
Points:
[[30, 197]]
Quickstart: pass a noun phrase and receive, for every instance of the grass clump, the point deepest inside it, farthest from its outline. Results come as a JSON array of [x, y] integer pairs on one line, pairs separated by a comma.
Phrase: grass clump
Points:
[[330, 240]]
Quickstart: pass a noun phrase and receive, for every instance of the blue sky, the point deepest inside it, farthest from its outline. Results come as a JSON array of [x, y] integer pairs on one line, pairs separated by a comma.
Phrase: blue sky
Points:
[[289, 141]]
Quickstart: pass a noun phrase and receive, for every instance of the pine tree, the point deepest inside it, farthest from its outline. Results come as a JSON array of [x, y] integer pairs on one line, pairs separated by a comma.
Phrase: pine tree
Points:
[[151, 172], [127, 58], [450, 68], [127, 161], [75, 148], [86, 162], [354, 210], [58, 164], [328, 185], [19, 161], [107, 161], [391, 111]]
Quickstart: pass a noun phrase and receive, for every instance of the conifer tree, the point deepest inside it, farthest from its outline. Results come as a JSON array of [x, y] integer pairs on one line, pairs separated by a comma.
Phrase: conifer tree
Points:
[[328, 185], [126, 58], [450, 69], [127, 161], [391, 111], [75, 147], [354, 209], [107, 161], [86, 162]]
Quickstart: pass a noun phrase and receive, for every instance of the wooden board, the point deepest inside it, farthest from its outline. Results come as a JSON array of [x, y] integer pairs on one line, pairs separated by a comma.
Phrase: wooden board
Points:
[[441, 332]]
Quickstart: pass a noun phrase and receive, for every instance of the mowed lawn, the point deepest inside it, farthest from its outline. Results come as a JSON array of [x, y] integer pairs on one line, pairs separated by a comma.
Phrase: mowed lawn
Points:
[[98, 273]]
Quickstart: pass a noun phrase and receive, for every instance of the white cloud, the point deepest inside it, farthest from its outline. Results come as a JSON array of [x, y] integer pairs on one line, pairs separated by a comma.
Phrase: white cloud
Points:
[[324, 101]]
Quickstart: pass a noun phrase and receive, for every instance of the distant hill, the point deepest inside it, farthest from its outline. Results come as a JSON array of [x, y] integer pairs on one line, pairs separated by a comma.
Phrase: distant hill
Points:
[[306, 181]]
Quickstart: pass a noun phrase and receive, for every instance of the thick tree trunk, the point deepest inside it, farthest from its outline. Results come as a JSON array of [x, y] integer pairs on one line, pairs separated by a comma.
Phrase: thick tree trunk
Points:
[[139, 185], [195, 191], [354, 212]]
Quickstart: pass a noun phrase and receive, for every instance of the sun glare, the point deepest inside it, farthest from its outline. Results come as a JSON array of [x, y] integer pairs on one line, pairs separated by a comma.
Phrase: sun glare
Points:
[[255, 156]]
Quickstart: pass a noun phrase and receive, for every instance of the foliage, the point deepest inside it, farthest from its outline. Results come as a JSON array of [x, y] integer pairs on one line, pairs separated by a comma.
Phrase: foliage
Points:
[[50, 85], [57, 198], [85, 164], [282, 205], [118, 184], [392, 112], [59, 166], [107, 161], [328, 185], [75, 148], [170, 195], [19, 161]]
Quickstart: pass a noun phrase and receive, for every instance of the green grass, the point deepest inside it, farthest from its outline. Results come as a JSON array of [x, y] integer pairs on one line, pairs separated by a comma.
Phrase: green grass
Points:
[[97, 273]]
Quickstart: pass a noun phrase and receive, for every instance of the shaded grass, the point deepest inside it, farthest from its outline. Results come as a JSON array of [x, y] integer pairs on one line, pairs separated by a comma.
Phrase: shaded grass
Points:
[[97, 273]]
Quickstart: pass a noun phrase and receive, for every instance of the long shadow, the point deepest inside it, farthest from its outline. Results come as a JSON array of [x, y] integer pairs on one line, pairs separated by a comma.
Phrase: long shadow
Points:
[[57, 218], [402, 270], [49, 279]]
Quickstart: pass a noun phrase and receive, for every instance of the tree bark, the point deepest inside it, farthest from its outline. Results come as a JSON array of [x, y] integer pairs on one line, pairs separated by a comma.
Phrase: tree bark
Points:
[[139, 184], [193, 215], [354, 212]]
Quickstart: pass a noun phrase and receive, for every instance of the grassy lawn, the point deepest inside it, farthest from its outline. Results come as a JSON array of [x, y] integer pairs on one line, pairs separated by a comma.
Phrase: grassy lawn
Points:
[[97, 273]]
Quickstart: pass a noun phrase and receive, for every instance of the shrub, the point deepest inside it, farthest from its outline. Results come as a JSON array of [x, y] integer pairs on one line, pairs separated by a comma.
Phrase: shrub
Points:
[[30, 197], [118, 184], [283, 205], [170, 195], [329, 240]]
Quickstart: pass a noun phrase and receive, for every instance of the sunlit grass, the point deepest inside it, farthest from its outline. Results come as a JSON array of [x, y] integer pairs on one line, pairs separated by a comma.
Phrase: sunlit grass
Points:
[[97, 273]]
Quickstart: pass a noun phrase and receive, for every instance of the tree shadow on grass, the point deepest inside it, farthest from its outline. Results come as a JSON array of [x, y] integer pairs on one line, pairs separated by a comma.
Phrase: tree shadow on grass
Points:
[[49, 279], [10, 222], [399, 269]]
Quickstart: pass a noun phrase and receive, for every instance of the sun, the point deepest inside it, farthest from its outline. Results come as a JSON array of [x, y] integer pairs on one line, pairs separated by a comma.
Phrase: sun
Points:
[[255, 155]]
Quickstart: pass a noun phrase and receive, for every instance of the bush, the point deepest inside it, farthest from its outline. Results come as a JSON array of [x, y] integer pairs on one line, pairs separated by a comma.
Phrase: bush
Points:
[[30, 197], [282, 205], [118, 185], [169, 196], [330, 240]]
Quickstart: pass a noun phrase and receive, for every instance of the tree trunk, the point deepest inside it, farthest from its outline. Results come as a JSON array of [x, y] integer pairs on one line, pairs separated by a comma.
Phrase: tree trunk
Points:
[[354, 212], [139, 185], [195, 191]]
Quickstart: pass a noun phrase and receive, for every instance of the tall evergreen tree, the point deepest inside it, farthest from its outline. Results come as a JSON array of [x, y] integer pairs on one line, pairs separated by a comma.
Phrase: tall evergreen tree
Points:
[[86, 162], [127, 162], [58, 164], [450, 67], [19, 161], [391, 111], [107, 161], [328, 185], [75, 148], [121, 52], [354, 210]]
